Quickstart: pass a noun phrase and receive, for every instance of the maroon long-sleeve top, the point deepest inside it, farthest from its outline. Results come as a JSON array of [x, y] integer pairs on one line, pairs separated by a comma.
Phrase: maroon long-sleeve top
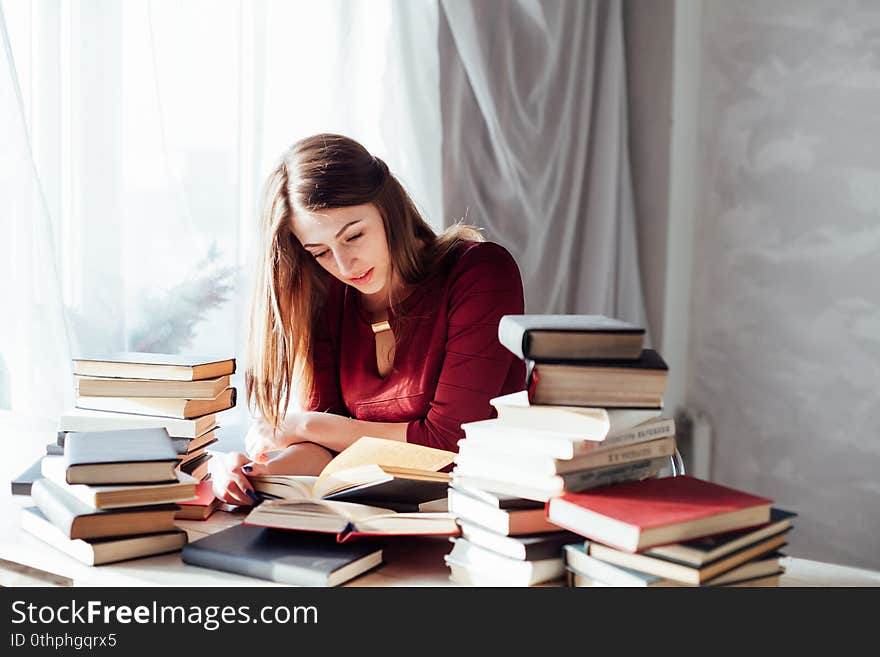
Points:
[[448, 362]]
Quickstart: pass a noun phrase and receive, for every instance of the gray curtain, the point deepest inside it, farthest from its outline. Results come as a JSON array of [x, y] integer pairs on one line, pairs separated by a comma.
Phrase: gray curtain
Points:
[[533, 95]]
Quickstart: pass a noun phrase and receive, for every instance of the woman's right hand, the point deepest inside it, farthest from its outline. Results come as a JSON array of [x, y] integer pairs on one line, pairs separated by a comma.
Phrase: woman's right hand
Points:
[[229, 483]]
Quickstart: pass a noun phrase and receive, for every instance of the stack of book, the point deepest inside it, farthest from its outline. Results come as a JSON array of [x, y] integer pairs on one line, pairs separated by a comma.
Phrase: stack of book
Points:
[[111, 496], [319, 530], [181, 394], [590, 416], [673, 531]]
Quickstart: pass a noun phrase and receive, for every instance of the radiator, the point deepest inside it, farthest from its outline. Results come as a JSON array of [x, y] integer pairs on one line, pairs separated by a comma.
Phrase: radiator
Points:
[[693, 436]]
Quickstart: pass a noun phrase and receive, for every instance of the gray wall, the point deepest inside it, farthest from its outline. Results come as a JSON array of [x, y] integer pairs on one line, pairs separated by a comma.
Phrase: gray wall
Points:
[[785, 323], [648, 39]]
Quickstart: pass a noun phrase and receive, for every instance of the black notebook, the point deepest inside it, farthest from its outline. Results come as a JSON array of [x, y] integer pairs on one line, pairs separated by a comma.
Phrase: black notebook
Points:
[[120, 457], [288, 557]]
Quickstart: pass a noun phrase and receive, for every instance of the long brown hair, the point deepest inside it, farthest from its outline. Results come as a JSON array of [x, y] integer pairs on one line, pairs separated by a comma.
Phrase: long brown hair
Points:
[[322, 172]]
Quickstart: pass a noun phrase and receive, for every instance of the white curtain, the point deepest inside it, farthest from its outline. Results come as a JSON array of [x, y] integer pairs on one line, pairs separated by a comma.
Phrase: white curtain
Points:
[[34, 356], [535, 146], [136, 136], [134, 139]]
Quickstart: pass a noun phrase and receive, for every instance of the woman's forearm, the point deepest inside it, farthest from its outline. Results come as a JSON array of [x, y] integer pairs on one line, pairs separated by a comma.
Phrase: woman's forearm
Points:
[[336, 432]]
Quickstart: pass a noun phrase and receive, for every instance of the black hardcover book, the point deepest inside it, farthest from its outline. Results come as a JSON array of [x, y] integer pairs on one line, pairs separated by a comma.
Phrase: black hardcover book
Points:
[[570, 337], [193, 465], [402, 495], [280, 555], [119, 457], [703, 551]]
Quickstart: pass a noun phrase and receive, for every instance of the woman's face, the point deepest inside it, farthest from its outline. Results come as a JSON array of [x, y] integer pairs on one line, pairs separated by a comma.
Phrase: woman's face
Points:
[[350, 243]]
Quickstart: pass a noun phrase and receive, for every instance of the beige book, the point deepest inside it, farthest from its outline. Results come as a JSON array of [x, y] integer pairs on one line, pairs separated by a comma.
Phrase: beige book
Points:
[[91, 386], [161, 406], [139, 365]]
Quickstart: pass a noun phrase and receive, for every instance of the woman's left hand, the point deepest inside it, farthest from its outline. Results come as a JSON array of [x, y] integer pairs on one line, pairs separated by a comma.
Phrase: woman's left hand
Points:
[[262, 439]]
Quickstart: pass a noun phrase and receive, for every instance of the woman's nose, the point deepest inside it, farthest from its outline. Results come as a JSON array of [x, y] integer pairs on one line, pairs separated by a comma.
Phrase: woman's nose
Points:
[[345, 264]]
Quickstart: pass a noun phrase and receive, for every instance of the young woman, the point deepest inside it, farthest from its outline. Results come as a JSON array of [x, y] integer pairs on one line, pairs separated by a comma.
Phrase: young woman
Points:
[[364, 320]]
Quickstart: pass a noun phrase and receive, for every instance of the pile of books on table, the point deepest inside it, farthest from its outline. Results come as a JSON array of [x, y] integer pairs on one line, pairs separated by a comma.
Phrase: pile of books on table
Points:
[[111, 496], [324, 530], [672, 531], [589, 417], [183, 395]]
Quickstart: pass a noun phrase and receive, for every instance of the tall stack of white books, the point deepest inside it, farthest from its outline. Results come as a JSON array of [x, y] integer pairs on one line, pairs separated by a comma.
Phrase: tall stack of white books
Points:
[[558, 437]]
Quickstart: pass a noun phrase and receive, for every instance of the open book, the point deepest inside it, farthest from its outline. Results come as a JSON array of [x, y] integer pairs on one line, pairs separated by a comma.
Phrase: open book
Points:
[[373, 471], [374, 487], [349, 520]]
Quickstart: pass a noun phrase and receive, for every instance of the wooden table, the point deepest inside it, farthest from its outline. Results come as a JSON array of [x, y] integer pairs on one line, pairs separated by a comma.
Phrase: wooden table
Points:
[[25, 560]]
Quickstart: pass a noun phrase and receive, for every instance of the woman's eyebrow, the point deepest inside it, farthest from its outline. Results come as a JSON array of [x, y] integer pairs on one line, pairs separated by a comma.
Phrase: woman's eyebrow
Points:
[[341, 230]]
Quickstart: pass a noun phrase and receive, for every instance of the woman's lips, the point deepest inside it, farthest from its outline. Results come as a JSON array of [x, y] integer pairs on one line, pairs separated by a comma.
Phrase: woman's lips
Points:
[[363, 279]]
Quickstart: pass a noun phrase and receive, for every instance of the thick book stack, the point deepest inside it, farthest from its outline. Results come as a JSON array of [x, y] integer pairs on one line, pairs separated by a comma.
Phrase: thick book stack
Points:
[[181, 394], [673, 531], [324, 530], [111, 496], [589, 416]]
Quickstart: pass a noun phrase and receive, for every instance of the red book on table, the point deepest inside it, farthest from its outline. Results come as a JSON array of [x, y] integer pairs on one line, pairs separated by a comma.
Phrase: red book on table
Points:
[[637, 515]]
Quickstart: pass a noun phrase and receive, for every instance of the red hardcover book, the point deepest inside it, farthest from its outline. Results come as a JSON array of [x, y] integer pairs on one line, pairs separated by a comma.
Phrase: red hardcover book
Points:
[[641, 514], [200, 508]]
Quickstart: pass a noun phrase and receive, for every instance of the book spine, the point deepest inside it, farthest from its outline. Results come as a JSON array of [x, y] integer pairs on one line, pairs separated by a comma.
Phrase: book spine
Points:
[[626, 454], [574, 482], [639, 434]]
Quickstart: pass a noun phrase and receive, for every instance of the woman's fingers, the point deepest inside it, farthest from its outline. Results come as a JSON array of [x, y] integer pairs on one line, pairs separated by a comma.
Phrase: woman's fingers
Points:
[[230, 484], [254, 468], [240, 488], [235, 491]]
